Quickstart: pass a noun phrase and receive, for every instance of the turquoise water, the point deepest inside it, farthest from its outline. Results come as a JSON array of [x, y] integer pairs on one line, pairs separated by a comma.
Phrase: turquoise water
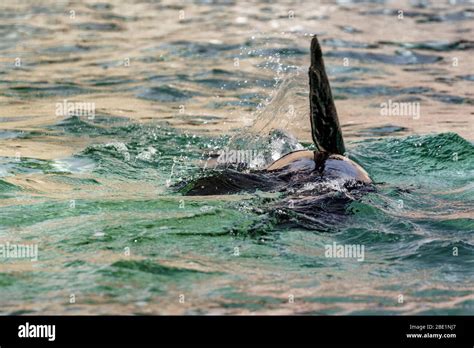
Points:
[[98, 196], [209, 250]]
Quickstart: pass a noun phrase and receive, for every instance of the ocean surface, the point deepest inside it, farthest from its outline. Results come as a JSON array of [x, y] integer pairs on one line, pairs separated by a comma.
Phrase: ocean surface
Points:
[[167, 87]]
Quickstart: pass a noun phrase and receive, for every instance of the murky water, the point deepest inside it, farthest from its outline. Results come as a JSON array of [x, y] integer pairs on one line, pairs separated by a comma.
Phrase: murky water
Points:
[[172, 84]]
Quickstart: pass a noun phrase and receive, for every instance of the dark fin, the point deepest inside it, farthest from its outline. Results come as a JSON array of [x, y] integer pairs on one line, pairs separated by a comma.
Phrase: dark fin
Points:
[[326, 132], [320, 158], [230, 182]]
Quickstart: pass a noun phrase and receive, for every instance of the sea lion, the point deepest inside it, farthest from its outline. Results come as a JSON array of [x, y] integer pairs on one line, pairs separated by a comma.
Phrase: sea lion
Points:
[[296, 169]]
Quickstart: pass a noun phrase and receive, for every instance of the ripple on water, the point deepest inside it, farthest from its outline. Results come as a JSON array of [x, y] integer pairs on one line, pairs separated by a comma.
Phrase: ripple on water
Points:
[[399, 58], [113, 27], [196, 50], [442, 46], [45, 91], [167, 93], [10, 134]]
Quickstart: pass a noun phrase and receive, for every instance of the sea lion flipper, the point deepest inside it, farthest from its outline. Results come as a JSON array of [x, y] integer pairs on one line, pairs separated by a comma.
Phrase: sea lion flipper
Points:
[[326, 132]]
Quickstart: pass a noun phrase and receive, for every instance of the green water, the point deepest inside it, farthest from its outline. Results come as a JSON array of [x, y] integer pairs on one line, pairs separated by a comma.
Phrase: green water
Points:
[[139, 255]]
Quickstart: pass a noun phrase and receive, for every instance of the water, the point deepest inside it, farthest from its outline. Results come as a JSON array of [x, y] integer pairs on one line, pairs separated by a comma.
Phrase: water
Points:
[[97, 194]]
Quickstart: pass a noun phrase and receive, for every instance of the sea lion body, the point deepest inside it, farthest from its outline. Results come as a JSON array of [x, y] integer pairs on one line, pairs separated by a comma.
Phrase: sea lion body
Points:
[[289, 173], [335, 166], [320, 170]]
